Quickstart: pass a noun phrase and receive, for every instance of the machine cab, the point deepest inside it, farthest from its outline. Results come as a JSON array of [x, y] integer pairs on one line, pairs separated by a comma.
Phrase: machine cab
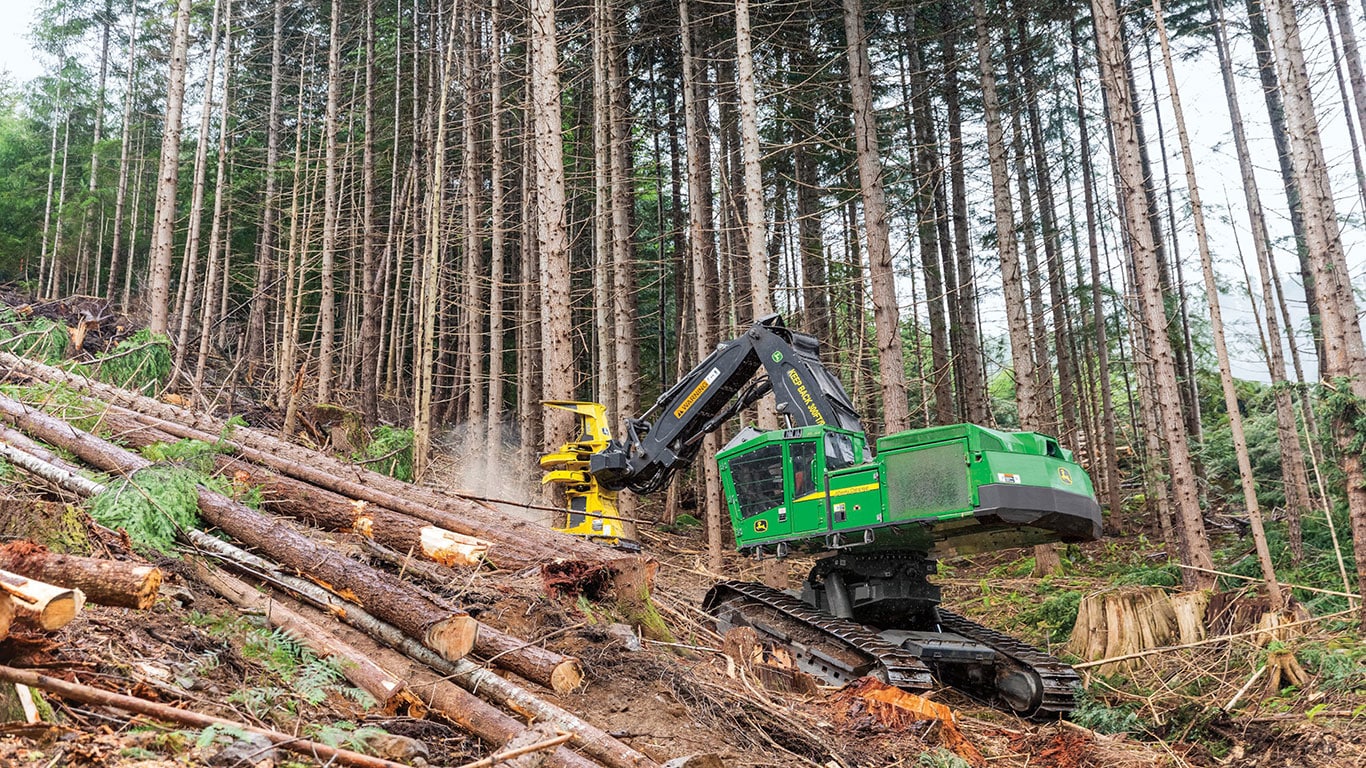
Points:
[[775, 482]]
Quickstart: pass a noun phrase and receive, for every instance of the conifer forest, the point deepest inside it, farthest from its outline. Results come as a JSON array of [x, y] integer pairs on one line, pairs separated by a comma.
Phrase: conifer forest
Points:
[[376, 235]]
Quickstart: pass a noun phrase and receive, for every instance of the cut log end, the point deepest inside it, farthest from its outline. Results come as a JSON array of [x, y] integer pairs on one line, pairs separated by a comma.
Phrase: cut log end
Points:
[[567, 676], [452, 637], [151, 586]]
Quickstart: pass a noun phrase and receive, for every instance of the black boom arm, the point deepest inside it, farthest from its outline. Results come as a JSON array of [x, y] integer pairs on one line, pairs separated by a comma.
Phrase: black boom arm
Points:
[[667, 436]]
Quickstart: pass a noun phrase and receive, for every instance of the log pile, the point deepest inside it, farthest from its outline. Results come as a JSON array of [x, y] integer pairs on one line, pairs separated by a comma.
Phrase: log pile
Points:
[[411, 650]]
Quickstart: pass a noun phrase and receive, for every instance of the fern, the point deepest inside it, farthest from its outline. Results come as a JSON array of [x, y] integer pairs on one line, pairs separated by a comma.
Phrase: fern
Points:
[[390, 451]]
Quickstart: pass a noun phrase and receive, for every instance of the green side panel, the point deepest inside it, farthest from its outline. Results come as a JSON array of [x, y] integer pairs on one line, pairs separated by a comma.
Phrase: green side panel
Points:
[[929, 482], [856, 499]]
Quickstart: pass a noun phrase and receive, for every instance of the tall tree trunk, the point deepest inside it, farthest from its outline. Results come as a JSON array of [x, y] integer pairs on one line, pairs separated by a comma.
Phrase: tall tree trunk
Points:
[[163, 232], [327, 302], [973, 383], [1235, 417], [369, 270], [497, 229], [702, 251], [189, 276], [1344, 360], [552, 242], [1293, 475], [1017, 317], [1275, 109], [1107, 415], [125, 142], [216, 229], [266, 255], [886, 313], [83, 284], [1195, 549]]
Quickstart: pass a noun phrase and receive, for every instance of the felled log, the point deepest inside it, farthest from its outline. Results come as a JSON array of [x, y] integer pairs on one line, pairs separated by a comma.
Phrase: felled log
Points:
[[104, 582], [89, 695], [451, 701], [552, 670], [326, 509], [468, 675], [391, 692], [518, 542], [539, 665], [448, 633], [48, 606]]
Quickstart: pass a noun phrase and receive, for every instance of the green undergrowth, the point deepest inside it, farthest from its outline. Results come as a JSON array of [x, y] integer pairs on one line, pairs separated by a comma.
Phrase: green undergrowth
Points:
[[286, 674], [36, 338], [389, 452]]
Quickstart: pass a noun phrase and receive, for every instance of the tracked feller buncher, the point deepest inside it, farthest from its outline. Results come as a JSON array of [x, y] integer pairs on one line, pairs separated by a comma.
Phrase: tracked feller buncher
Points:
[[868, 606]]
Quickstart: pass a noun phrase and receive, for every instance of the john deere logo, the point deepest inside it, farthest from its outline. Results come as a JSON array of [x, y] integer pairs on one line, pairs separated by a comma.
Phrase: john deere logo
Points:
[[777, 356], [760, 526], [1065, 475]]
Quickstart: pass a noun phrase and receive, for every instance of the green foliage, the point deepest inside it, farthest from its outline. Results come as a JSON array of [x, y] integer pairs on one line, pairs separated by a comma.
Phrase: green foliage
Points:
[[1057, 614], [343, 734], [38, 338], [209, 735], [1339, 664], [141, 362], [1098, 716], [940, 757], [153, 506], [1168, 575], [195, 454], [390, 451]]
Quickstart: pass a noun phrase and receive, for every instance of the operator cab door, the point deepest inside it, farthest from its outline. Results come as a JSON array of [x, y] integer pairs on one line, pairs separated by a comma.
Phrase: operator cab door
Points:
[[758, 494], [806, 489]]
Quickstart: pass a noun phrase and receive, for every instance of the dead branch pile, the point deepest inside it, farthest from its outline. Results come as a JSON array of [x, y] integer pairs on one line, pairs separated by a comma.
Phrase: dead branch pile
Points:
[[402, 644]]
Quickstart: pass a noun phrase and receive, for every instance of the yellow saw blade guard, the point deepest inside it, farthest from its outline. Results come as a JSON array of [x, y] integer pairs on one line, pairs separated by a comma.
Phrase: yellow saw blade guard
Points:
[[592, 510]]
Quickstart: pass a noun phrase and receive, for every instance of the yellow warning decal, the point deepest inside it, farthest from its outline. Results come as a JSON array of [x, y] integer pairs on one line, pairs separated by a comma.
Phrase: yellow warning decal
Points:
[[838, 492], [696, 393]]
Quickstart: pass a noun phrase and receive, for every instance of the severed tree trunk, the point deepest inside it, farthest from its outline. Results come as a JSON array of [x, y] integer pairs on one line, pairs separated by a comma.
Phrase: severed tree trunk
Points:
[[1195, 549], [163, 231], [1235, 416], [104, 582], [886, 313], [452, 634]]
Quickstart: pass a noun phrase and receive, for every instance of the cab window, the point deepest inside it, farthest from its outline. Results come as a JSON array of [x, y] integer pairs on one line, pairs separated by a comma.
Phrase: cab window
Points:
[[803, 468], [839, 451], [758, 478]]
